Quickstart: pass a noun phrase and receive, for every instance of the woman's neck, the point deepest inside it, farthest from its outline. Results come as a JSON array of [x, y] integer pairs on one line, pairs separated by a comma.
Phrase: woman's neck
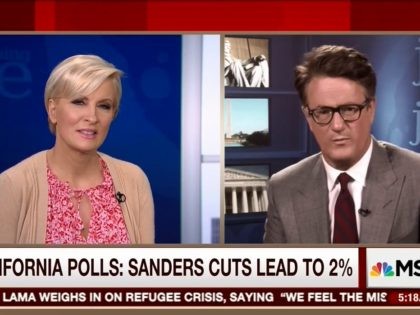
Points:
[[81, 170]]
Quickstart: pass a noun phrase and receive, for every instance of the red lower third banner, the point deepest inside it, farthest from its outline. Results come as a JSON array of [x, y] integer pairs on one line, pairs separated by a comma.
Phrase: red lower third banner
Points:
[[182, 276]]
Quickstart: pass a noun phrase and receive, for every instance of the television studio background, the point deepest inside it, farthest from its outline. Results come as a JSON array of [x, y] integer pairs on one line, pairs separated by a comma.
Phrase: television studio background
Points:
[[274, 114], [160, 125]]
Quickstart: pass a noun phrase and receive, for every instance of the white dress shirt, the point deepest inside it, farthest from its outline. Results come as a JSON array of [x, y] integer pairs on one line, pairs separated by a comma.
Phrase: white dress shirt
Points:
[[358, 172]]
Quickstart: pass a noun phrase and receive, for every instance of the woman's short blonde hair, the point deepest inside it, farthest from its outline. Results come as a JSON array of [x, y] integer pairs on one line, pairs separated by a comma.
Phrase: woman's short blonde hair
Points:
[[80, 75]]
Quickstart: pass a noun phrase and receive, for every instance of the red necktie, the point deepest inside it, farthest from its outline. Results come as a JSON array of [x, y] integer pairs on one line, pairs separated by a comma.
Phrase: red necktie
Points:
[[345, 228]]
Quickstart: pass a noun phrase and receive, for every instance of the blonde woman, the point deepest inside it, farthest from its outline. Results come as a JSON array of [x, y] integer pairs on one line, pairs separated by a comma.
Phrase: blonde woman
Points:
[[71, 193]]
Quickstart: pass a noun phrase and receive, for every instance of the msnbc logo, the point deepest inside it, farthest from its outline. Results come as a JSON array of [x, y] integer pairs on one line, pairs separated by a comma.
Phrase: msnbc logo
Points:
[[381, 268]]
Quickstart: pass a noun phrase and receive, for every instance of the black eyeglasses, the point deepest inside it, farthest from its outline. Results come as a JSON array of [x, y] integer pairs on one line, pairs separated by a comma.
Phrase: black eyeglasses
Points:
[[349, 112]]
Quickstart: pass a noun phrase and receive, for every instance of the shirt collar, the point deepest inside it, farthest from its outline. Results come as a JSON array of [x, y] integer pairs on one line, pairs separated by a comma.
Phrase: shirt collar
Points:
[[358, 171]]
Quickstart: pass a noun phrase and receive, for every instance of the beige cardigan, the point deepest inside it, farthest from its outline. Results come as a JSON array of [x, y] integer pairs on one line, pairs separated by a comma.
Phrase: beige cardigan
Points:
[[24, 200]]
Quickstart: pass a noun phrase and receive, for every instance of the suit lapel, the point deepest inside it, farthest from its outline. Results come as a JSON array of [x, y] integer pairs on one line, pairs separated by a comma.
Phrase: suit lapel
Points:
[[311, 205], [379, 197]]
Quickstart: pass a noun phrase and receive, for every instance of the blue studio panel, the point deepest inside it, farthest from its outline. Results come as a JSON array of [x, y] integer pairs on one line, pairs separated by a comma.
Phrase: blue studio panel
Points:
[[147, 130]]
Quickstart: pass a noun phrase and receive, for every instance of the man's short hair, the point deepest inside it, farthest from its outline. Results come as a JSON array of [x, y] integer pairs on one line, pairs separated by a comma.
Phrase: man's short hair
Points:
[[337, 62]]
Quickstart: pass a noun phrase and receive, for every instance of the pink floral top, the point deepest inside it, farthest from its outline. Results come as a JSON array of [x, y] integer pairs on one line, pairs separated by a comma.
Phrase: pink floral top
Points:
[[64, 225]]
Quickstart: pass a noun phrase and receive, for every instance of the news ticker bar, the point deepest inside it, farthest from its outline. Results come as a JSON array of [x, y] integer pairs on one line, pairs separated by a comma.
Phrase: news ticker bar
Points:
[[199, 297], [209, 277]]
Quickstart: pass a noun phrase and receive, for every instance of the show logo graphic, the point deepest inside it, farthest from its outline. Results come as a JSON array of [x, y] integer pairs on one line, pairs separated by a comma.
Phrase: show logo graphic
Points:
[[408, 267], [15, 74], [383, 269], [416, 111]]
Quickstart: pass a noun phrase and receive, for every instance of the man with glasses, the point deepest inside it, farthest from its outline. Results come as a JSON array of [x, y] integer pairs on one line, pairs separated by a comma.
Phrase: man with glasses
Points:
[[357, 189]]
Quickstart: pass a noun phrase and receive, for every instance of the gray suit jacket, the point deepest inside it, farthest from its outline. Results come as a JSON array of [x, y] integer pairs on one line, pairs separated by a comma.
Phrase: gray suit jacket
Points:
[[298, 200]]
